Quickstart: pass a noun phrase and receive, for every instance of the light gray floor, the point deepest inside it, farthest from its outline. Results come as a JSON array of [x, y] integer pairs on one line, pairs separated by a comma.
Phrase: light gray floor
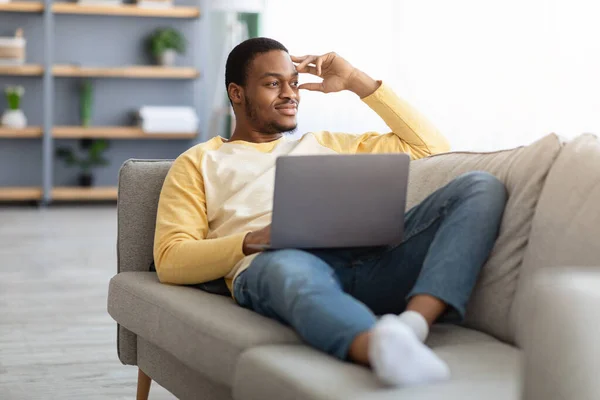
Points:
[[56, 339]]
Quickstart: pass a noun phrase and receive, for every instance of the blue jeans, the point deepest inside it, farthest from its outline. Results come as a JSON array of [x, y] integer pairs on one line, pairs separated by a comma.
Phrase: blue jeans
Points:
[[329, 296]]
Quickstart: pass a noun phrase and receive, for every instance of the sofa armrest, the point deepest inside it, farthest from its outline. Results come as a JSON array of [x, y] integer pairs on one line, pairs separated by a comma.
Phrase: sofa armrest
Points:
[[561, 335], [140, 182]]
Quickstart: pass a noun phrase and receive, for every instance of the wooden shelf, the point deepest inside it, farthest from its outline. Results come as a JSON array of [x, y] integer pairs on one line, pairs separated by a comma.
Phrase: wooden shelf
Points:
[[83, 193], [125, 10], [20, 193], [138, 71], [113, 132], [26, 133], [22, 6], [21, 70]]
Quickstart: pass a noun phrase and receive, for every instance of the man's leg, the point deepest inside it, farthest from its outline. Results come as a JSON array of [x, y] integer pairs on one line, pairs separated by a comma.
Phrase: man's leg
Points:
[[302, 290], [448, 238]]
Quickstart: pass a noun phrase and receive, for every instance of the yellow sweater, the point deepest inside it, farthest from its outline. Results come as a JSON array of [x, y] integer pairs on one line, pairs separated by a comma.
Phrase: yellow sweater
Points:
[[217, 192]]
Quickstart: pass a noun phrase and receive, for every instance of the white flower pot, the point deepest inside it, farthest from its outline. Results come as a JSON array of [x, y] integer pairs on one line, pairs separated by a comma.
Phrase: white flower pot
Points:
[[14, 119], [167, 58]]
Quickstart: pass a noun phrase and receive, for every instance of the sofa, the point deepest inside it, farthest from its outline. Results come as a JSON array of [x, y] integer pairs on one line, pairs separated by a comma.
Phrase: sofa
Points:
[[530, 330]]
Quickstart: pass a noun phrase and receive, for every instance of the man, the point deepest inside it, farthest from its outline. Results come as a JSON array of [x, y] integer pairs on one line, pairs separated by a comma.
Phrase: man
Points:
[[216, 202]]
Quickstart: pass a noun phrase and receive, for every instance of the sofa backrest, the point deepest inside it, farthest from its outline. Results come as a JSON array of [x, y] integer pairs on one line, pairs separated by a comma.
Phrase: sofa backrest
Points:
[[140, 183], [523, 171], [566, 225]]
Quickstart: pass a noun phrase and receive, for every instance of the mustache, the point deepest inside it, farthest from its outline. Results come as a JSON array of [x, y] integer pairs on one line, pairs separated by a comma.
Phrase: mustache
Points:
[[294, 102]]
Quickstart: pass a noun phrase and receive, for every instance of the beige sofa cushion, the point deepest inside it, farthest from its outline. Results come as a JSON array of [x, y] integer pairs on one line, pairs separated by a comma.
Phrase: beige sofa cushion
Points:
[[481, 368], [523, 170], [566, 226], [204, 331]]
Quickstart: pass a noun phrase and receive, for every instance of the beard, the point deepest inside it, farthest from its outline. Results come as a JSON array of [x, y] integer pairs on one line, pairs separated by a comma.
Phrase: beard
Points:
[[265, 127]]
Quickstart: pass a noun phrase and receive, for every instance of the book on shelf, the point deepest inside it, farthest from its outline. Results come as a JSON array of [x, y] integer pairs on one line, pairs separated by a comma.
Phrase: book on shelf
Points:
[[12, 49], [102, 3], [169, 119], [159, 4]]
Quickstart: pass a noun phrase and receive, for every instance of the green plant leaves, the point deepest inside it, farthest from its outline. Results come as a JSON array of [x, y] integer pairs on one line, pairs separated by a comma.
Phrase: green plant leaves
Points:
[[94, 156], [164, 39]]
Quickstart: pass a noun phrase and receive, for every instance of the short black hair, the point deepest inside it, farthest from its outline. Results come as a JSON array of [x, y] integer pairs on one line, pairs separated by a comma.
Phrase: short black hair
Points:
[[239, 59]]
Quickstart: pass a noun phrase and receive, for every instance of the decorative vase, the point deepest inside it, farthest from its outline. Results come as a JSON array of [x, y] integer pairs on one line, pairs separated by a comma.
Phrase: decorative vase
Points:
[[85, 103], [167, 58], [85, 179], [14, 119]]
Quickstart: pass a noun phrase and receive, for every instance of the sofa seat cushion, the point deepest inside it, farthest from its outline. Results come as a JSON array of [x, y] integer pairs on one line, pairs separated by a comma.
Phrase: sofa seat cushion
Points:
[[481, 367], [204, 331]]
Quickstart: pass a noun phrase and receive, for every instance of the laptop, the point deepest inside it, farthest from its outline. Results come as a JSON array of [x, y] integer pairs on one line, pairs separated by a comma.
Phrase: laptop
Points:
[[337, 201]]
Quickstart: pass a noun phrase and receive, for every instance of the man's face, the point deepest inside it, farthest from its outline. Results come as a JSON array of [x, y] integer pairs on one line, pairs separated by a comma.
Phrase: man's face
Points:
[[271, 95]]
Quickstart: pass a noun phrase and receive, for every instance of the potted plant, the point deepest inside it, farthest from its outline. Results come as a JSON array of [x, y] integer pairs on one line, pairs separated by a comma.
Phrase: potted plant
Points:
[[14, 117], [92, 158], [164, 44]]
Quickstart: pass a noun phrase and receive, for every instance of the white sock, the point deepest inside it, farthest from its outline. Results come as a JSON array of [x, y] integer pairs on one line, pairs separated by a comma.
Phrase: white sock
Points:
[[398, 358], [417, 323]]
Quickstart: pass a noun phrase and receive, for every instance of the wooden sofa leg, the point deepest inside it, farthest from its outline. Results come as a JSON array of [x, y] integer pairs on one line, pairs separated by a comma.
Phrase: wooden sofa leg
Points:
[[143, 385]]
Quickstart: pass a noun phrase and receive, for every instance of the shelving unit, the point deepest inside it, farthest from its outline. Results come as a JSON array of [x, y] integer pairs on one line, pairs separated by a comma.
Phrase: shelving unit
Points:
[[21, 70], [82, 193], [114, 132], [26, 133], [135, 72], [67, 42], [22, 7], [126, 10], [20, 193]]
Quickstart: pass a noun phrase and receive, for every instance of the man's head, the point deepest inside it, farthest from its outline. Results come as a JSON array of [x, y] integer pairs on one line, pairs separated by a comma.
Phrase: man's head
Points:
[[262, 84]]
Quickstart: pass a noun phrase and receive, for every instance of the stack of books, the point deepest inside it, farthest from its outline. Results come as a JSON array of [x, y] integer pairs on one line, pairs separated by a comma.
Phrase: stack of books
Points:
[[12, 49], [103, 3], [157, 119], [155, 3]]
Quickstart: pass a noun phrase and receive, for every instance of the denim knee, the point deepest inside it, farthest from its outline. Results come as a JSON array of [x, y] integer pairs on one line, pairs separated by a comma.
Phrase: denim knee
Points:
[[485, 186], [289, 267]]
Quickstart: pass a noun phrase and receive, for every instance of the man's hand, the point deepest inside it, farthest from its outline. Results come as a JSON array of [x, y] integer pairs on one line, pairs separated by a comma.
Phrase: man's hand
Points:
[[337, 73], [262, 236]]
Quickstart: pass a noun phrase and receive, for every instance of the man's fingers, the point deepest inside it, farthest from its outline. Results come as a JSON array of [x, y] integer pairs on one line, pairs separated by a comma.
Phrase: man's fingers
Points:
[[309, 59], [313, 86], [298, 59], [309, 69], [319, 63]]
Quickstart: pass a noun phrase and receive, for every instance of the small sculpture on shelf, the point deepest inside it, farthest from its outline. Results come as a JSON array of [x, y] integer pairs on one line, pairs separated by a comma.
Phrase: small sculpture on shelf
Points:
[[13, 117], [86, 91], [93, 158], [164, 44]]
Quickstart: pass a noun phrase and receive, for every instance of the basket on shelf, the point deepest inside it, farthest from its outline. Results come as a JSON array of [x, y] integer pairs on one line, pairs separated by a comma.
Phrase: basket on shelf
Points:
[[12, 49]]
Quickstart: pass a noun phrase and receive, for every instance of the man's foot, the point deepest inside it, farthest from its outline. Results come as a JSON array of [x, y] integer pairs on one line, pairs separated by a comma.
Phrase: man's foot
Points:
[[399, 358], [417, 323]]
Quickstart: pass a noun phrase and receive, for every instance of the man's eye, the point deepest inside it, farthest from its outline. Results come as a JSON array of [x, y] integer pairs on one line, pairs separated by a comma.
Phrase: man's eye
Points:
[[273, 84], [295, 83]]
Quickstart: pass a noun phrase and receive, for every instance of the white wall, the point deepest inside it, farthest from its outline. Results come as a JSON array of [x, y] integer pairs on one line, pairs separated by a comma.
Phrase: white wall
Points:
[[489, 74]]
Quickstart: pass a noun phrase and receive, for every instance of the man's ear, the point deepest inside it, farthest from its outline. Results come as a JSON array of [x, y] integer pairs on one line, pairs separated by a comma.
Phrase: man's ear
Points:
[[235, 92]]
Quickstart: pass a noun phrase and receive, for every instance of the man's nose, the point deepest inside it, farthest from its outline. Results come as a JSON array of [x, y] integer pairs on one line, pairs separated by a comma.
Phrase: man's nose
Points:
[[288, 92]]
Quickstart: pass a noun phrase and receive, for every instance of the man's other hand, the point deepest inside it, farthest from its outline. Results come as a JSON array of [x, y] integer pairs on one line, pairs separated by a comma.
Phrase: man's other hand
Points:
[[261, 237], [337, 73]]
